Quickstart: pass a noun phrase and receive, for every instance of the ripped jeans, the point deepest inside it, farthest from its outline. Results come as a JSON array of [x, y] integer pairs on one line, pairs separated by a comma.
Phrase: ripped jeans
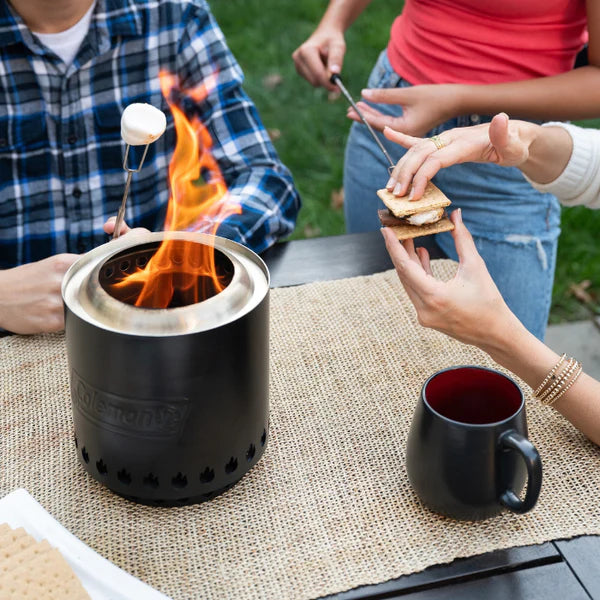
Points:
[[515, 227]]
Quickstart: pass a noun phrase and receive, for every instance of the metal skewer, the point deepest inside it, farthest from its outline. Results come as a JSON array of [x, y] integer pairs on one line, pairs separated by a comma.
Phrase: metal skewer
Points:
[[130, 172], [337, 80]]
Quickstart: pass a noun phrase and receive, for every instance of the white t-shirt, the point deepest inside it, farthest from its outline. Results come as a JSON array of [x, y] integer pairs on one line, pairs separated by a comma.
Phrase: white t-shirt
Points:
[[65, 44], [579, 183]]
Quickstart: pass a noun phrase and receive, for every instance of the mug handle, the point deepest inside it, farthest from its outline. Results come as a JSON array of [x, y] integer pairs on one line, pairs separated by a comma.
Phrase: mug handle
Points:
[[515, 441]]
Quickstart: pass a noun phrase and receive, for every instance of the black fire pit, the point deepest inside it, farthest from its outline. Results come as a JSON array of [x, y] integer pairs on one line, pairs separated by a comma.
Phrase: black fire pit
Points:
[[170, 405]]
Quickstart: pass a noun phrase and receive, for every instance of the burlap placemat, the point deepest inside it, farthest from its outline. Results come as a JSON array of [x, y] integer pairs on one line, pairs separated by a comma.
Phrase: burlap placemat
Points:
[[329, 506]]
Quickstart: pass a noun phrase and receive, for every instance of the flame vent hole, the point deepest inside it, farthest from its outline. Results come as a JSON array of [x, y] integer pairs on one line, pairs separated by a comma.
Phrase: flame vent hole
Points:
[[207, 475], [179, 481], [101, 466], [168, 275], [232, 465], [85, 455], [263, 437], [151, 481], [251, 452], [76, 442], [124, 476]]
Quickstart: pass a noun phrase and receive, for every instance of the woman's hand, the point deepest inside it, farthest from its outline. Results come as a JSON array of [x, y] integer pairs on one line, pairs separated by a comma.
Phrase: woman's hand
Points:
[[321, 55], [423, 107], [504, 142], [469, 307]]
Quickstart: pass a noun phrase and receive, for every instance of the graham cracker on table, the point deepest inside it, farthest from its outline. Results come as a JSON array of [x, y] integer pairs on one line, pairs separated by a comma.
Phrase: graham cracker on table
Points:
[[406, 231], [34, 570], [401, 206]]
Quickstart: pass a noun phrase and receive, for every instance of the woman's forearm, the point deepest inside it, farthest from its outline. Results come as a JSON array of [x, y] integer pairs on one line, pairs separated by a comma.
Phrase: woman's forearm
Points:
[[571, 95], [340, 14], [550, 149], [531, 360]]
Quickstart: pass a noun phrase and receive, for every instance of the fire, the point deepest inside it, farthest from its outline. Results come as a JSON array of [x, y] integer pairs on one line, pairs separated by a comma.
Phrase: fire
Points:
[[198, 198]]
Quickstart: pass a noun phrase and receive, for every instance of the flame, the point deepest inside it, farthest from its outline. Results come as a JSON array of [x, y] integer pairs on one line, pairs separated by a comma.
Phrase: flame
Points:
[[198, 199]]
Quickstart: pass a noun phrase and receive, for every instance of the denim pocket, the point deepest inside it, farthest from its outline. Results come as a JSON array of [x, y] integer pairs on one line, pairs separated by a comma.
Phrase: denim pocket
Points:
[[382, 75]]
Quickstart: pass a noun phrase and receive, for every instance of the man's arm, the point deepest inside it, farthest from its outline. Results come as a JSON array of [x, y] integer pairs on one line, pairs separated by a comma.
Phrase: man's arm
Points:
[[243, 151], [30, 295]]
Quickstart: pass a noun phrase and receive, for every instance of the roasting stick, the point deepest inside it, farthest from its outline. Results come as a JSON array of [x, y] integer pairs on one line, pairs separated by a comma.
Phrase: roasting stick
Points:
[[337, 80], [141, 124]]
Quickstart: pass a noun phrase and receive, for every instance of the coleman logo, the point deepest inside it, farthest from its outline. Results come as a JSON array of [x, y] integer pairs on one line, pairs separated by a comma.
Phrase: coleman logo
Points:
[[162, 418]]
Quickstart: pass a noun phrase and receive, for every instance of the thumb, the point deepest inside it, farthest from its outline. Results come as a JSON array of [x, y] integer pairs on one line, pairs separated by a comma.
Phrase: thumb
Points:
[[335, 57], [498, 133], [109, 226], [465, 246]]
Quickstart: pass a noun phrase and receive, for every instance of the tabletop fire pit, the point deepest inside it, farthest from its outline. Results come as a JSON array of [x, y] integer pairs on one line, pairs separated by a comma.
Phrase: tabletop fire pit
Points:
[[169, 375]]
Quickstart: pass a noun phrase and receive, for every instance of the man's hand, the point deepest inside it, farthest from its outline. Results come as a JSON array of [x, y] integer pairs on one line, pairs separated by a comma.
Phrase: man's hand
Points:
[[30, 298], [321, 55], [109, 227]]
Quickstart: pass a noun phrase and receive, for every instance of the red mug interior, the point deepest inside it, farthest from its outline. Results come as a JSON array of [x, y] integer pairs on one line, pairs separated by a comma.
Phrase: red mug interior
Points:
[[474, 396]]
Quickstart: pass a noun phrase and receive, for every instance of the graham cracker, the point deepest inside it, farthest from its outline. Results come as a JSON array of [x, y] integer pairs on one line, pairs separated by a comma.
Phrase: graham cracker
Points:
[[401, 206], [35, 570], [406, 231]]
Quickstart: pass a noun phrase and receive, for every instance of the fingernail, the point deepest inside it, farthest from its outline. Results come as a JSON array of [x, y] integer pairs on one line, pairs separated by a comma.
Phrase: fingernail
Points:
[[397, 189], [334, 68], [411, 194], [390, 184], [366, 93], [459, 210]]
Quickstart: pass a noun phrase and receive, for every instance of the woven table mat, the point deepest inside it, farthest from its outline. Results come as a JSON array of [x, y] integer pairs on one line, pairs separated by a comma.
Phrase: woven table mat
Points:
[[329, 506]]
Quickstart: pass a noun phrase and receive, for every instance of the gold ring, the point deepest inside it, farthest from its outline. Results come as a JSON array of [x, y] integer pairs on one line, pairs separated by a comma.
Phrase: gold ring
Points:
[[437, 140]]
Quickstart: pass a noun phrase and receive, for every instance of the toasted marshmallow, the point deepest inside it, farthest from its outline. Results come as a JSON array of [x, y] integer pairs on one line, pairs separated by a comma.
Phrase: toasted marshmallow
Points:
[[142, 124], [424, 218]]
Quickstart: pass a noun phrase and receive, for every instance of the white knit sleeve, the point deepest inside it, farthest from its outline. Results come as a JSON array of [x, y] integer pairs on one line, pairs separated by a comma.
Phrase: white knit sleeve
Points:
[[579, 183]]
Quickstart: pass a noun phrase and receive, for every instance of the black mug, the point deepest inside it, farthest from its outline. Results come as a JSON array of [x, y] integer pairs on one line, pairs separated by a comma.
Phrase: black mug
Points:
[[468, 455]]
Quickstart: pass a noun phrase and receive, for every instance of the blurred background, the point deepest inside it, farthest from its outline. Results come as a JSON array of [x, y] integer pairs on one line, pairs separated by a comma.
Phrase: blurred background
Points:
[[309, 127]]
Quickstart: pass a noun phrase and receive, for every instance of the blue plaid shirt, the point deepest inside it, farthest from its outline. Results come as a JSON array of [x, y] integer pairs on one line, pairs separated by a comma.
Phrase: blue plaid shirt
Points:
[[61, 152]]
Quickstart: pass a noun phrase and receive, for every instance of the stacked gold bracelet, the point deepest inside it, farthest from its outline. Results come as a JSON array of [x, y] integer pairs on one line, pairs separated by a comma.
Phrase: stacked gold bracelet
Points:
[[560, 378]]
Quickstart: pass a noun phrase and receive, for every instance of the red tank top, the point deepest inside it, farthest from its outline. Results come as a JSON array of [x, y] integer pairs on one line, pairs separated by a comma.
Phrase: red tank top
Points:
[[486, 41]]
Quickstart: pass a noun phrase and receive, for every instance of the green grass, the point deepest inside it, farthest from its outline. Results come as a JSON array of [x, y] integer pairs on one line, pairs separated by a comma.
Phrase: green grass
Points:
[[309, 130]]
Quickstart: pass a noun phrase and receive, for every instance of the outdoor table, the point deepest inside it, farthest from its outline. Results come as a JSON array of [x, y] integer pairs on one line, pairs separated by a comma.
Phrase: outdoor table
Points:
[[560, 570], [555, 570]]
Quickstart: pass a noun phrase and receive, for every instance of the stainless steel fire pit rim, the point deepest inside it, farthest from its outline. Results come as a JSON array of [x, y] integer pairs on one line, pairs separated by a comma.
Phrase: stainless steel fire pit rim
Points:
[[85, 297]]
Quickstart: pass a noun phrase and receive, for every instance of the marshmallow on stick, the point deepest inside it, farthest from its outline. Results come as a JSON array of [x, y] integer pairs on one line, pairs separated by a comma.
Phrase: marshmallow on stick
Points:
[[142, 124]]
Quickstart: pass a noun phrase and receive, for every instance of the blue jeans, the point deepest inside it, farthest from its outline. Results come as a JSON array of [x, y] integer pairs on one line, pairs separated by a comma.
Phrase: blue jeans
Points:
[[515, 227]]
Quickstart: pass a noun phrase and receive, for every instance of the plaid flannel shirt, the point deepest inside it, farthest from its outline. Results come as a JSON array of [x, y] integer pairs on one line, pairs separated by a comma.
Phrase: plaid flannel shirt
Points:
[[61, 152]]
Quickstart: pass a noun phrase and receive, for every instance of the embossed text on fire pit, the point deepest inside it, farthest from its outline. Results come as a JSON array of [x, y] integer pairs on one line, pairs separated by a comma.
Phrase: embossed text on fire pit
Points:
[[164, 418]]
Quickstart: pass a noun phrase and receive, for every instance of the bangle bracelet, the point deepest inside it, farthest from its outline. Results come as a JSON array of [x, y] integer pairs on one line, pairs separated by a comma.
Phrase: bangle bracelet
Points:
[[575, 377], [550, 375], [559, 379]]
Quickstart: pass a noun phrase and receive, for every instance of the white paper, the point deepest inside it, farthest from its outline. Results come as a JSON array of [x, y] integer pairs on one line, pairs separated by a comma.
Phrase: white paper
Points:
[[101, 578]]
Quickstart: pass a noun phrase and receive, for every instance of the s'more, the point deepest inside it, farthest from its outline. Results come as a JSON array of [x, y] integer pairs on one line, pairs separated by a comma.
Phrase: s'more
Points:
[[410, 219]]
